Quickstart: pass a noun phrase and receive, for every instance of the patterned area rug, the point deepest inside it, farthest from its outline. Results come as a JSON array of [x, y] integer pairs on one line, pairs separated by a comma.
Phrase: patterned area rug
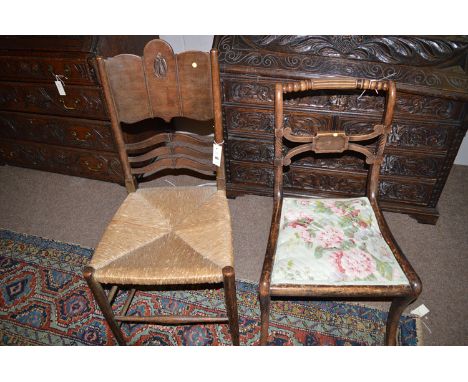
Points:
[[45, 301]]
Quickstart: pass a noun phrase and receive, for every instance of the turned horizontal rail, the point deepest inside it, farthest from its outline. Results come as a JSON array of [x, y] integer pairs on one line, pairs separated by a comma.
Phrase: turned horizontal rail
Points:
[[344, 84]]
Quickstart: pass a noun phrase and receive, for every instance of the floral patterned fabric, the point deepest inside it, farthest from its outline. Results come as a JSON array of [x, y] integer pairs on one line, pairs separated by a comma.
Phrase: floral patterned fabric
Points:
[[333, 242]]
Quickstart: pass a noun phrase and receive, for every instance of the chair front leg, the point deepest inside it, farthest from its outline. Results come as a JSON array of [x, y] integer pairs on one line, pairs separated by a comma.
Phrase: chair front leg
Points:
[[396, 309], [103, 303], [231, 303], [265, 300]]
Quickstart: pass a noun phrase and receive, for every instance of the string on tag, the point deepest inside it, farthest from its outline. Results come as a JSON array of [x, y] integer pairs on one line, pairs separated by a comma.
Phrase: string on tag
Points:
[[380, 79]]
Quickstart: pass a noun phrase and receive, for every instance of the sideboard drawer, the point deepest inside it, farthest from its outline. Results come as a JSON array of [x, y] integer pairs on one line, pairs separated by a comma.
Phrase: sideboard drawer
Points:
[[76, 70], [261, 93], [70, 161], [61, 131], [248, 121], [79, 101]]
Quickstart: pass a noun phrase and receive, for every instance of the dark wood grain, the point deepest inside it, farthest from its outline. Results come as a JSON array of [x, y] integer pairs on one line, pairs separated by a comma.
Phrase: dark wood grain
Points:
[[32, 111]]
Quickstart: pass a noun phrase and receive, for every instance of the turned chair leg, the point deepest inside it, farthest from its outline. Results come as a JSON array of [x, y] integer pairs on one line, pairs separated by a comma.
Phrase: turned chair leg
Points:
[[103, 303], [264, 317], [231, 303], [393, 319]]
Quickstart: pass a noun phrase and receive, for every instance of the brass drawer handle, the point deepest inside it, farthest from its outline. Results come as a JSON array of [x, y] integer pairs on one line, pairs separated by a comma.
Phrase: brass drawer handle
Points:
[[93, 168], [62, 101], [84, 139]]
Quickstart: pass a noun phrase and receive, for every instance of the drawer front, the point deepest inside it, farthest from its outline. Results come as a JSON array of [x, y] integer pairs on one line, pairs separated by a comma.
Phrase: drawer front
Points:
[[405, 134], [261, 151], [297, 179], [80, 101], [261, 92], [96, 165], [321, 182], [75, 70], [73, 132], [395, 163], [254, 121], [406, 192]]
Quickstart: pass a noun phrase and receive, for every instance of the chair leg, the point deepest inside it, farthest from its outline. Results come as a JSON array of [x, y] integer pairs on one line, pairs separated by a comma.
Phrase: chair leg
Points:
[[264, 317], [103, 303], [231, 303], [393, 319]]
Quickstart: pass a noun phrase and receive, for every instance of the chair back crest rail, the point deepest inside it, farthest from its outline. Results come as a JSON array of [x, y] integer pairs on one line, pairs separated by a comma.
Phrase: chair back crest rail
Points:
[[333, 142], [162, 84]]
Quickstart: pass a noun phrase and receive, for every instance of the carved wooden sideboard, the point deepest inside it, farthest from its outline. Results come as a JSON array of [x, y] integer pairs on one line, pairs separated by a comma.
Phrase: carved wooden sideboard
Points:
[[430, 120], [41, 129]]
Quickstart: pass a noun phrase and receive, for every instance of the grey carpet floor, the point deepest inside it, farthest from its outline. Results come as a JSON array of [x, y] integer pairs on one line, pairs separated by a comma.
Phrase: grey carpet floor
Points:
[[77, 210]]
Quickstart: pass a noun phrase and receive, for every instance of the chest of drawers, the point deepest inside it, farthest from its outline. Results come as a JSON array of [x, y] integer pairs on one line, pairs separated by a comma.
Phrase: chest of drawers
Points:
[[430, 118], [39, 128]]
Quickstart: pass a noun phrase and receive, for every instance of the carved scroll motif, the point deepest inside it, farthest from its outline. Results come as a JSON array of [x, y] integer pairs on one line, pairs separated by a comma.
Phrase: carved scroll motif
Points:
[[322, 54], [387, 49]]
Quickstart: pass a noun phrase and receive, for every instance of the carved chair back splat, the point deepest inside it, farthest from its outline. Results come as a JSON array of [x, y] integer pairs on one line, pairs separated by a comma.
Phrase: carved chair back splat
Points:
[[401, 293], [164, 85], [165, 236]]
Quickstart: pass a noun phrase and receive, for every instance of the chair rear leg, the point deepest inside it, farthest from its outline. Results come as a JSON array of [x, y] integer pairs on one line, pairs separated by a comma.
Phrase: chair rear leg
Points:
[[264, 317], [231, 303], [396, 309], [103, 304]]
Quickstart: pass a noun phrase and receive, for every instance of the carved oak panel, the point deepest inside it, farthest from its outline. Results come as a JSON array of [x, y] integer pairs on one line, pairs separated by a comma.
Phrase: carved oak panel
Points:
[[84, 102], [76, 70], [418, 193], [412, 166], [407, 59], [250, 174], [408, 105], [244, 120], [56, 130], [67, 161], [404, 134], [321, 181]]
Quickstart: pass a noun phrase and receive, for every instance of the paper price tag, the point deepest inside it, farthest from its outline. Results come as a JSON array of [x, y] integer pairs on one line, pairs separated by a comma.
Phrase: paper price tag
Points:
[[60, 87], [217, 150], [420, 311]]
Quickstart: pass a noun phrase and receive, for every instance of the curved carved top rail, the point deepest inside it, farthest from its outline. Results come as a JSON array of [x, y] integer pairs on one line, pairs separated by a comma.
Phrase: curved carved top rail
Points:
[[161, 84]]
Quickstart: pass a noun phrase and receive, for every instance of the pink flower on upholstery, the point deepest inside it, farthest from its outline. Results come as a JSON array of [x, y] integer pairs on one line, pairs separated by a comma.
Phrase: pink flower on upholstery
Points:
[[299, 219], [336, 210], [354, 213], [330, 237], [353, 263], [363, 224]]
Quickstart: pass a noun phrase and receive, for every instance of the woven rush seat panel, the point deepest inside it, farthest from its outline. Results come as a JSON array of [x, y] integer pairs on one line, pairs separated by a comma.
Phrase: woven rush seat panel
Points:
[[333, 242], [167, 236]]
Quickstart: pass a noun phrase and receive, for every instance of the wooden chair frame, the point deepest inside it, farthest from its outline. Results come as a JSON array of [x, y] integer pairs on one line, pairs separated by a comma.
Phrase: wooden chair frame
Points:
[[336, 142], [160, 70]]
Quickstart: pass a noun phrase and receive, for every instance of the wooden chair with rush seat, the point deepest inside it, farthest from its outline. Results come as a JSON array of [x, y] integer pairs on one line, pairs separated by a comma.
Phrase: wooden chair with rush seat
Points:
[[165, 236], [331, 247]]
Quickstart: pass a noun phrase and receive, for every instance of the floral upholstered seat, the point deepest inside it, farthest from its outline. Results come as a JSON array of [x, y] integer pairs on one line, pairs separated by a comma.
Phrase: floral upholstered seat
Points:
[[333, 242]]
